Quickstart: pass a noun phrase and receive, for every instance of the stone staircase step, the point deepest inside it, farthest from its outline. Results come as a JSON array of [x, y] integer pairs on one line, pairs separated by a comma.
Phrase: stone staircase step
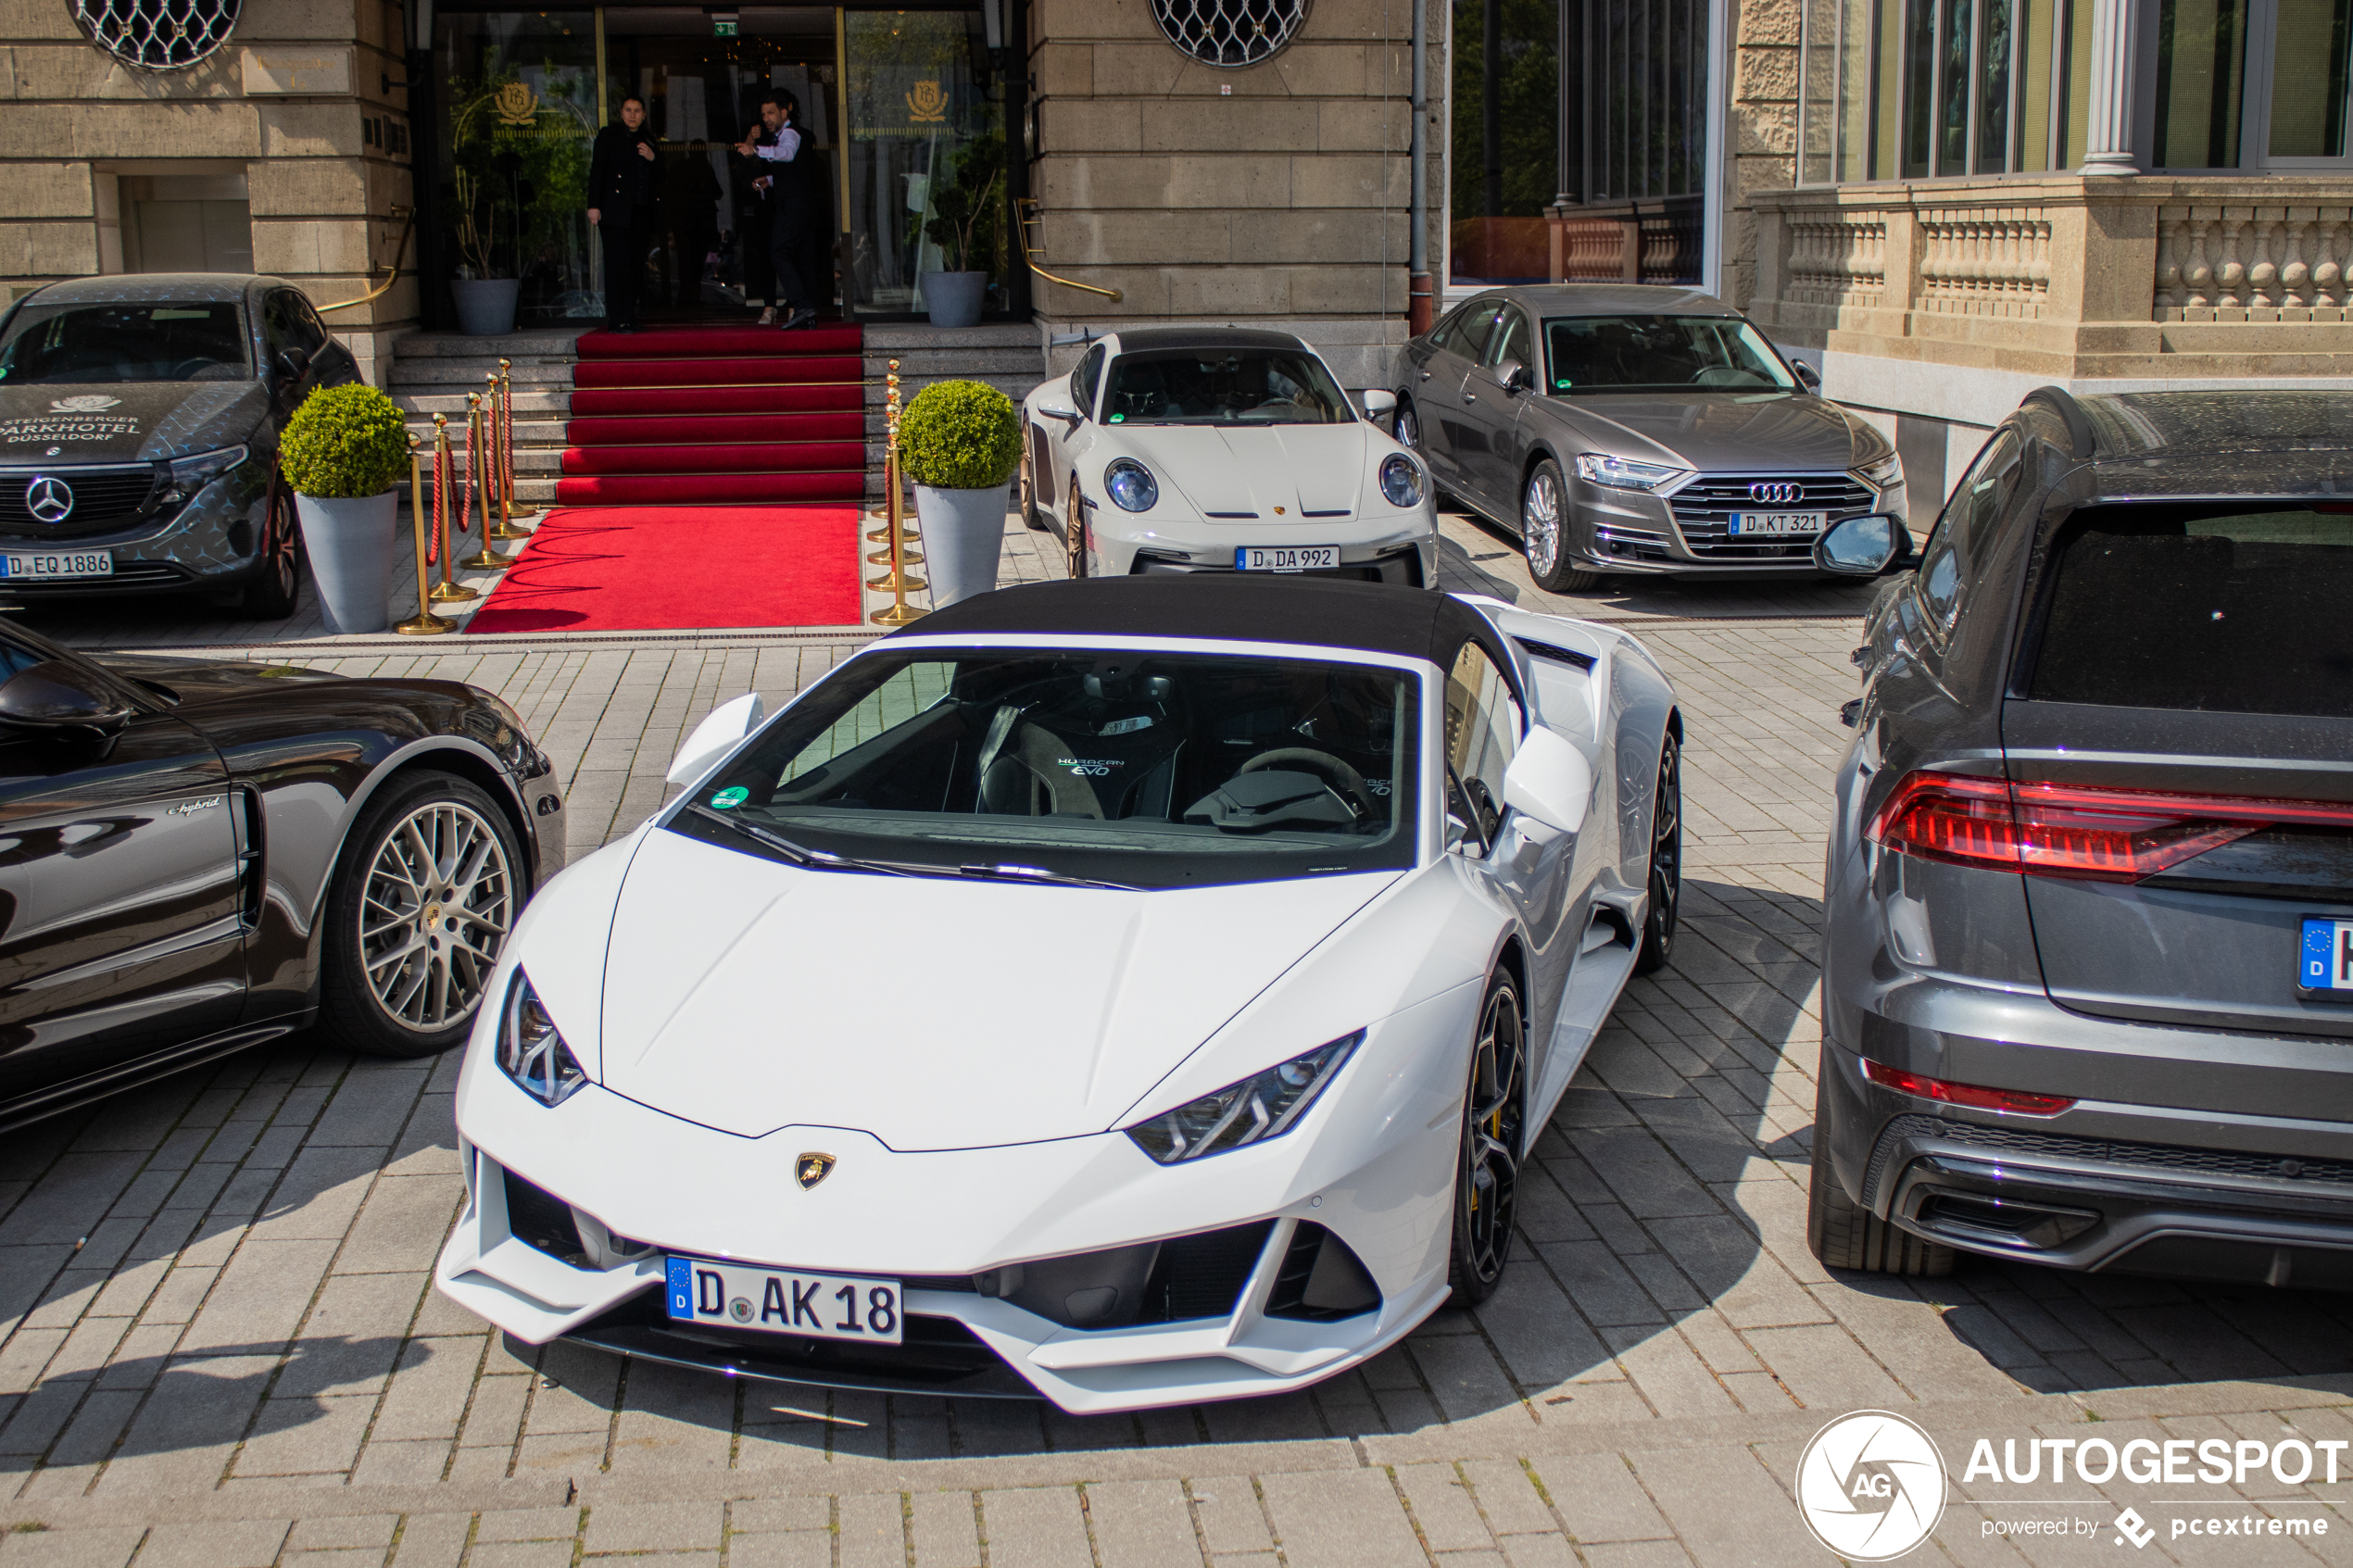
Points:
[[556, 403], [418, 374], [936, 363], [1015, 387], [543, 343]]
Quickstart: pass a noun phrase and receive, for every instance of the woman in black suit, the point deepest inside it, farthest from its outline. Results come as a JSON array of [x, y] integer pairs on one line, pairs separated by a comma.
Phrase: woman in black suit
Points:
[[623, 188]]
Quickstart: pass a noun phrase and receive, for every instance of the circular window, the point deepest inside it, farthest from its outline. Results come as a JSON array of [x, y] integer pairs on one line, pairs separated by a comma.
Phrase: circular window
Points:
[[158, 34], [1229, 32]]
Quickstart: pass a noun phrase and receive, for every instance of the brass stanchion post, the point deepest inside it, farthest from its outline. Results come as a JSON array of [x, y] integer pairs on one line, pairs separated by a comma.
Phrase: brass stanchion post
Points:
[[444, 481], [425, 623], [897, 613], [481, 458], [507, 532]]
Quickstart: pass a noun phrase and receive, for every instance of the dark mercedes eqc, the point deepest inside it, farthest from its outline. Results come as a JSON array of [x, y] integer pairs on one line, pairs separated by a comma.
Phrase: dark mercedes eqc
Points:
[[198, 856], [139, 421], [1623, 428], [2087, 963]]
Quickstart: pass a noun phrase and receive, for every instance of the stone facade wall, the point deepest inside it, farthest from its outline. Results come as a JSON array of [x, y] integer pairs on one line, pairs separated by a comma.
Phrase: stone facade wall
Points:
[[74, 122], [1272, 195], [1760, 142]]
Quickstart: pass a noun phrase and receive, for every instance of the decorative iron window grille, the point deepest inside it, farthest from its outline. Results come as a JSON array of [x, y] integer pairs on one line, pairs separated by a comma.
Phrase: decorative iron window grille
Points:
[[1229, 32], [158, 34]]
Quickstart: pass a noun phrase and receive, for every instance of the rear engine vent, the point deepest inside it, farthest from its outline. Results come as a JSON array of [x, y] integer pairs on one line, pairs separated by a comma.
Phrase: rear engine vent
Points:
[[1321, 1279], [538, 1217]]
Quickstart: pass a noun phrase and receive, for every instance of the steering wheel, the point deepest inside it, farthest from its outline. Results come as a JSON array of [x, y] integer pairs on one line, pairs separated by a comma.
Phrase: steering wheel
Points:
[[1345, 780]]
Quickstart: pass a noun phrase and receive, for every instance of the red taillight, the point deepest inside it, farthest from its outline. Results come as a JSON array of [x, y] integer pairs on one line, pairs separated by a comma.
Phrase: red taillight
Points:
[[2013, 1101], [2068, 830]]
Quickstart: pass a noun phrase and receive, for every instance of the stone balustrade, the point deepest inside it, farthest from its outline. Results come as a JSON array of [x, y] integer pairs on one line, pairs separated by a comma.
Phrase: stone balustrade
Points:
[[2224, 263]]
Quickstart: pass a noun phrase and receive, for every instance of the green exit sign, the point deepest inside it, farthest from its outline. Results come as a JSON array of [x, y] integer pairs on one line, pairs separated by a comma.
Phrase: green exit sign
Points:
[[722, 30]]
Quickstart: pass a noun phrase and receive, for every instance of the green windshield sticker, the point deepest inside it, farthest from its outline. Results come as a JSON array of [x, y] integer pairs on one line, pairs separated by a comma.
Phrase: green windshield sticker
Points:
[[728, 799], [1561, 384], [1116, 418]]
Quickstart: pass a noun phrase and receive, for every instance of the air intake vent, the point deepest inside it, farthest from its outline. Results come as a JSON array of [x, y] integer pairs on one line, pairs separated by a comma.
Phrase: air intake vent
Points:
[[1321, 1279], [538, 1217]]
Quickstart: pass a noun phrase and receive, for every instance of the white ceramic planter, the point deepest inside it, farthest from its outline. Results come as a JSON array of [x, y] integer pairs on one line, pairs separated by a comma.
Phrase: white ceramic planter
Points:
[[485, 305], [964, 534], [350, 544]]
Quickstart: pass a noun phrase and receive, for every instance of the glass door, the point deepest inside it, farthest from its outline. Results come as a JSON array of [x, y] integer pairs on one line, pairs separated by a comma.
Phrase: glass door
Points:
[[925, 166]]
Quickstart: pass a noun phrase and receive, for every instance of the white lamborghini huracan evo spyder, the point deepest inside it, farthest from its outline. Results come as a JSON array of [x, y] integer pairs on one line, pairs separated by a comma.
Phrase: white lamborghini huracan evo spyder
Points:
[[1132, 992]]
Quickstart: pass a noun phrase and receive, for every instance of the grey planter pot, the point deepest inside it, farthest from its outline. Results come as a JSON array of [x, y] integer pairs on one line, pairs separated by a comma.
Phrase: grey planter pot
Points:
[[964, 534], [350, 545], [485, 305], [955, 297]]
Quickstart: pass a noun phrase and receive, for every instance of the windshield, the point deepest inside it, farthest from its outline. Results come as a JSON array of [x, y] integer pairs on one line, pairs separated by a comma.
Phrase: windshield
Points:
[[79, 344], [1662, 354], [1245, 386], [1148, 770]]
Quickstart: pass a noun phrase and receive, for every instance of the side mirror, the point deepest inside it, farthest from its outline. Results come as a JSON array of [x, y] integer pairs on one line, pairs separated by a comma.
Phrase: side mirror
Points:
[[1861, 546], [50, 695], [1809, 374], [714, 738], [1379, 401], [1549, 780], [1056, 404], [1515, 376], [292, 363]]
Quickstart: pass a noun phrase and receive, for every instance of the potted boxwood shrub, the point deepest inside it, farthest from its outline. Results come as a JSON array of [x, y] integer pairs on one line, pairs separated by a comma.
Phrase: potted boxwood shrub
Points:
[[343, 454], [960, 442], [965, 228]]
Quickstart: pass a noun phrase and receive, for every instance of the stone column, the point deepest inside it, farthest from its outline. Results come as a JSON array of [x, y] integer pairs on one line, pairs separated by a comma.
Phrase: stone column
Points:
[[2108, 147]]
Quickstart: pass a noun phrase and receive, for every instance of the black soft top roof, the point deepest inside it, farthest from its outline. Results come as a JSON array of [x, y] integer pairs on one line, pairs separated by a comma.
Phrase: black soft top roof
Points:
[[1136, 339], [1375, 618]]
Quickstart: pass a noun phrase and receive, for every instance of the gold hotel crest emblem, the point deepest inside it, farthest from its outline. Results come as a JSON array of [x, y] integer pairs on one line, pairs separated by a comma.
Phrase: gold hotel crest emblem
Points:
[[518, 105], [926, 103]]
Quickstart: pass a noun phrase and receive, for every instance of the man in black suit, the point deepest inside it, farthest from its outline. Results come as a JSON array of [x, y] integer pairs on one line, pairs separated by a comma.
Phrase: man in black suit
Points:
[[623, 186], [794, 208]]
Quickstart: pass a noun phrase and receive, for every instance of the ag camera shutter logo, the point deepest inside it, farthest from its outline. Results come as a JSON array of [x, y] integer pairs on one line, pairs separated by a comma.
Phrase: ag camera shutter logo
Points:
[[1871, 1485]]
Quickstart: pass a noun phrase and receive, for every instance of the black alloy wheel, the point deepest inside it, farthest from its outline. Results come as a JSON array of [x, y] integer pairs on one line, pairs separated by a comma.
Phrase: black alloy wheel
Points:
[[1406, 426], [1667, 861], [1074, 529], [273, 593], [1487, 1176], [426, 891]]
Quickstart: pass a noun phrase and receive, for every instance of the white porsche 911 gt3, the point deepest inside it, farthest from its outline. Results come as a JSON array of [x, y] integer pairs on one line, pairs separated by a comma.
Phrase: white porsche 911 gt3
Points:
[[1131, 992], [1190, 449]]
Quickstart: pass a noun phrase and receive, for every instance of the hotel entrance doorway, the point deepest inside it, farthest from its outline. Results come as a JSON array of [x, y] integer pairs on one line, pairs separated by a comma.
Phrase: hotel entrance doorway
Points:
[[906, 108]]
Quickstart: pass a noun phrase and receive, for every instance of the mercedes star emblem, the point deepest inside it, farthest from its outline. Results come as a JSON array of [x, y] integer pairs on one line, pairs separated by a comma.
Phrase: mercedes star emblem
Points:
[[49, 500]]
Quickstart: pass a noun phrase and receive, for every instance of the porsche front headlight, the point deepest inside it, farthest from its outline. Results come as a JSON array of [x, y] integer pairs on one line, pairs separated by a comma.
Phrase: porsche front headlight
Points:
[[1400, 480], [1624, 474], [1131, 485], [1263, 1105], [531, 1052]]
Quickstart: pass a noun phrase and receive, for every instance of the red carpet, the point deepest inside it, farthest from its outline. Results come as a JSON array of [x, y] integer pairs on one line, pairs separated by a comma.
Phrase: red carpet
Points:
[[640, 569], [716, 415]]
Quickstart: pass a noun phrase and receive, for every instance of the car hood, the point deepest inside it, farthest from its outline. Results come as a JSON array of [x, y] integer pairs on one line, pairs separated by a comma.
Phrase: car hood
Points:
[[1761, 432], [59, 423], [1250, 468], [748, 996], [196, 682]]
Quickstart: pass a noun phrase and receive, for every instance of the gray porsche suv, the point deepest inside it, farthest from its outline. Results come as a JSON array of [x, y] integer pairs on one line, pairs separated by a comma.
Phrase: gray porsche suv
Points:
[[1624, 428], [2087, 961]]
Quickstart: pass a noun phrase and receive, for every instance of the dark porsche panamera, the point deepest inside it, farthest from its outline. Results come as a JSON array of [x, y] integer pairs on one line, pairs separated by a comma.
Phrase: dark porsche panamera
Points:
[[2087, 965], [139, 422], [199, 856]]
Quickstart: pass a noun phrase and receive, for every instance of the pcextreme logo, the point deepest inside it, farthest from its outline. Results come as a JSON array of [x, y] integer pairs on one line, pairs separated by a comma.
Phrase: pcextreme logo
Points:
[[1871, 1485]]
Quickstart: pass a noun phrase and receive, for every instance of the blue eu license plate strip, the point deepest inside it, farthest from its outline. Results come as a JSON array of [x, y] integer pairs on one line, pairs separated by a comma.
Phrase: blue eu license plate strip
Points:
[[2324, 960]]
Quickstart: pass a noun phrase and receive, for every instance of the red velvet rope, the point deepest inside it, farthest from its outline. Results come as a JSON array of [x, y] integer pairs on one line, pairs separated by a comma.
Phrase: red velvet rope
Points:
[[441, 483]]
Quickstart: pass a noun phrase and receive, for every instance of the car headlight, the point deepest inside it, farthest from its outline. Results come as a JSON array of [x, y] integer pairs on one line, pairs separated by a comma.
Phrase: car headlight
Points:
[[1263, 1105], [191, 474], [531, 1052], [1624, 474], [1131, 485], [1886, 473], [1400, 480]]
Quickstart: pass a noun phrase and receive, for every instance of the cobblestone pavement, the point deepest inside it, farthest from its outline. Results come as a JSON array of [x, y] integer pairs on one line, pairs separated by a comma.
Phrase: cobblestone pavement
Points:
[[218, 1348]]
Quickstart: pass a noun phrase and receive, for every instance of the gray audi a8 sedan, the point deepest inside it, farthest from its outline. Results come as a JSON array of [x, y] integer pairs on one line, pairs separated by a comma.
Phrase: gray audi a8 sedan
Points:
[[1626, 428], [2087, 951]]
